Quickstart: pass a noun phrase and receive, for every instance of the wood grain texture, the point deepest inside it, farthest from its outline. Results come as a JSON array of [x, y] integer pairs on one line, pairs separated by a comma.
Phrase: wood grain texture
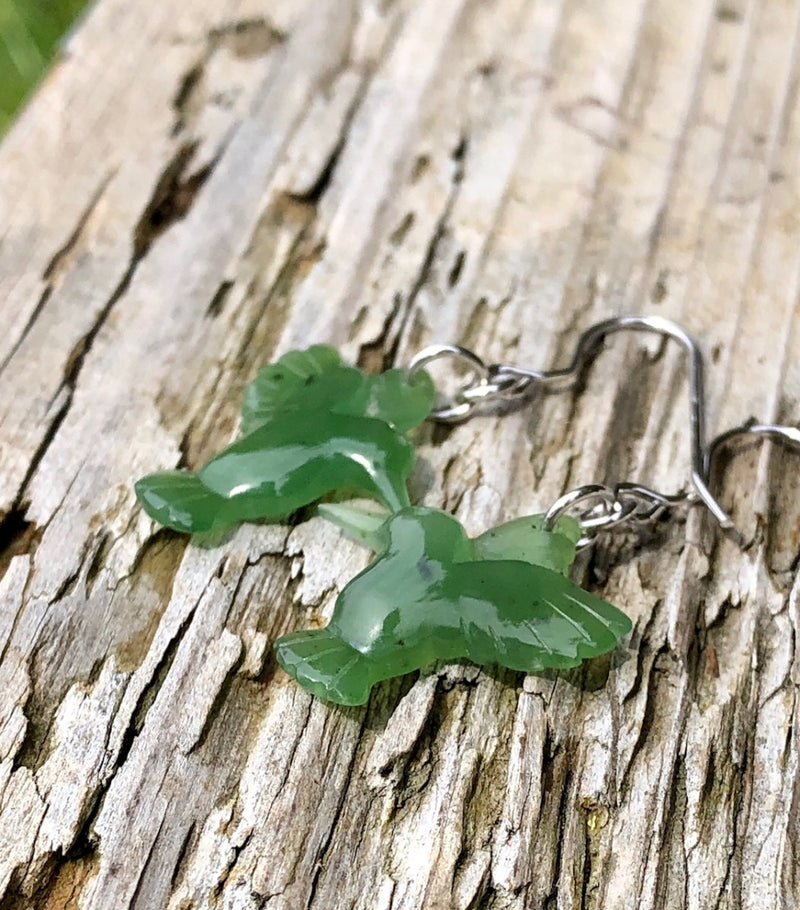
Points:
[[197, 188]]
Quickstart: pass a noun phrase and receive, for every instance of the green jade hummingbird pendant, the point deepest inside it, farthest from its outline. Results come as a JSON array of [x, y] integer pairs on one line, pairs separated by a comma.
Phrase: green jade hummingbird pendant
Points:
[[433, 594], [311, 425]]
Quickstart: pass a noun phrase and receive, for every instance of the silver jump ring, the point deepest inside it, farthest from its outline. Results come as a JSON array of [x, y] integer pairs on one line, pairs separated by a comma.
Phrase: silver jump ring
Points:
[[438, 351], [618, 511], [587, 492], [489, 388], [464, 400]]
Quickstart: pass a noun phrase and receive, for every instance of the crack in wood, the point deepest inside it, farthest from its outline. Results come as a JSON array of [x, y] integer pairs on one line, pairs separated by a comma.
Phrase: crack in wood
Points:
[[150, 691], [373, 355], [396, 324], [171, 199], [18, 537], [60, 263], [252, 37], [217, 304], [332, 828], [61, 258], [59, 409], [314, 193], [244, 39]]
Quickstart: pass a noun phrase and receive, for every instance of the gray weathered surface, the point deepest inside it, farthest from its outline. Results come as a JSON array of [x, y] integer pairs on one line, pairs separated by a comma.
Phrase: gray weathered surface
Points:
[[195, 189]]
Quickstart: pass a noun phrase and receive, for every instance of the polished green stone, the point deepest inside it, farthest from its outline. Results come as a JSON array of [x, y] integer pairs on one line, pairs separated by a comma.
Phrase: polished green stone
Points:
[[434, 594], [317, 379], [311, 425]]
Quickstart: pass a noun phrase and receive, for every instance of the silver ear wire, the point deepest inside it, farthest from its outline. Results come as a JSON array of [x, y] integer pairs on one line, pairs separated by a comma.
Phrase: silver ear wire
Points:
[[786, 434], [596, 506]]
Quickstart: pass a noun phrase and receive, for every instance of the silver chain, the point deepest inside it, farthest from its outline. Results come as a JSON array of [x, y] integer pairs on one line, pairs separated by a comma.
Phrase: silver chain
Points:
[[486, 382], [598, 507]]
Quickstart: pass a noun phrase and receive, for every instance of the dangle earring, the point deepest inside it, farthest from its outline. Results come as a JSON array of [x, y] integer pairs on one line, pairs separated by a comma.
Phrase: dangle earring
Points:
[[504, 597], [310, 426]]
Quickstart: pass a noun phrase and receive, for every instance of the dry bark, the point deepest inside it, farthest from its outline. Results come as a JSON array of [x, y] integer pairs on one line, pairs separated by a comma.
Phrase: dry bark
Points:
[[196, 188]]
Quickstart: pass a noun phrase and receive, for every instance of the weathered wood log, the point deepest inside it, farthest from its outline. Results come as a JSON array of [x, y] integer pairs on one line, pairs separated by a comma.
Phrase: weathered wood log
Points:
[[197, 188]]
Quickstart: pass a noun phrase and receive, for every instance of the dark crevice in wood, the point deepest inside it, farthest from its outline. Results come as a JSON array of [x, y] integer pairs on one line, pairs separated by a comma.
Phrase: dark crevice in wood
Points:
[[319, 187], [660, 288], [73, 366], [586, 866], [481, 817], [741, 775], [37, 743], [372, 354], [727, 13], [456, 269], [334, 823], [36, 732], [256, 342], [422, 164], [70, 582], [17, 537], [150, 691], [185, 93], [217, 304], [102, 547], [183, 448], [57, 265], [317, 190], [415, 767], [181, 861], [559, 804], [152, 551], [672, 831], [481, 318], [398, 235], [235, 852], [38, 455], [381, 352], [247, 37], [170, 202], [458, 157], [220, 701], [40, 708], [62, 255], [65, 871], [171, 199], [649, 714], [37, 311], [58, 883], [441, 432]]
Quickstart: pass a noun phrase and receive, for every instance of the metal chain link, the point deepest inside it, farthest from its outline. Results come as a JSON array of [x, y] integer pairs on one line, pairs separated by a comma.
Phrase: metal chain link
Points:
[[597, 507], [487, 382]]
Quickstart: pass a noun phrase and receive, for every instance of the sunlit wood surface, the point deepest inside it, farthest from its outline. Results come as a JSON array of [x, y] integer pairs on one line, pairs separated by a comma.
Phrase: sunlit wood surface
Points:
[[197, 188]]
